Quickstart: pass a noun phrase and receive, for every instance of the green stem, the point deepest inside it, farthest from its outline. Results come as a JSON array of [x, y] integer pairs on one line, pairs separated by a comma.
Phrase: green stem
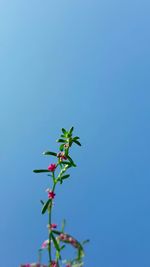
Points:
[[50, 220], [49, 247], [50, 213]]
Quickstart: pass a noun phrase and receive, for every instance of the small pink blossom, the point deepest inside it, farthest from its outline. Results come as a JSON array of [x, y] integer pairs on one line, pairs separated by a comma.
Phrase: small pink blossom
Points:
[[63, 237], [51, 194], [54, 264], [66, 145], [72, 241], [53, 226], [52, 167], [69, 239], [45, 244], [61, 155]]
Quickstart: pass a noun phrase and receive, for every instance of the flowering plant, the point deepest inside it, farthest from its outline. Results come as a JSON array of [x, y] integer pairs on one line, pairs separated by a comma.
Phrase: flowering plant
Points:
[[58, 239]]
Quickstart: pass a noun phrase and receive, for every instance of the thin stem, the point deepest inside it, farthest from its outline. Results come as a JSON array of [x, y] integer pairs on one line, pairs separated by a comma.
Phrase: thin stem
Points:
[[50, 220], [50, 212], [49, 246]]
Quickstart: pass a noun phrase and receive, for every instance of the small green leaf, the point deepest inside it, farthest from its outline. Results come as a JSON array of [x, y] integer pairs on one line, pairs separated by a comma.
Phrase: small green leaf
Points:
[[71, 130], [71, 161], [63, 225], [42, 202], [65, 176], [64, 131], [66, 151], [85, 241], [66, 163], [39, 171], [61, 147], [55, 242], [63, 246], [77, 142], [46, 205], [76, 138], [61, 141], [56, 232], [49, 153]]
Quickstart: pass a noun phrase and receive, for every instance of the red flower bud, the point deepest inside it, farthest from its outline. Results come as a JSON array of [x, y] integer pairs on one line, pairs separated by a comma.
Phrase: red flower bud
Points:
[[52, 167], [53, 226]]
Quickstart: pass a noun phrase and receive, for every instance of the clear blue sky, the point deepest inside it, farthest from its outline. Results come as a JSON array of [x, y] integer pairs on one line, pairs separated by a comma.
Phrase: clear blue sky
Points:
[[81, 63]]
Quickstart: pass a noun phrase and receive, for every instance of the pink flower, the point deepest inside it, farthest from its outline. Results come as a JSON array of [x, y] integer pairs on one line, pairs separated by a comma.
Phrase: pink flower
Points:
[[61, 155], [44, 245], [68, 265], [63, 237], [52, 167], [74, 243], [69, 239], [66, 145], [53, 226], [51, 195], [54, 264]]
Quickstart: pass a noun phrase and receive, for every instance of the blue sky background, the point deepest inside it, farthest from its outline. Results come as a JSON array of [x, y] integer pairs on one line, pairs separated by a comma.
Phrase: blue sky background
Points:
[[81, 63]]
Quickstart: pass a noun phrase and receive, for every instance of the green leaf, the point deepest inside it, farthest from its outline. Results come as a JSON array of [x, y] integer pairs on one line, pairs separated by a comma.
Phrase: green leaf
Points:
[[39, 171], [71, 161], [85, 241], [55, 242], [65, 163], [71, 130], [63, 246], [45, 206], [56, 232], [66, 151], [76, 138], [61, 147], [77, 142], [42, 202], [63, 225], [65, 176], [61, 141], [49, 153], [64, 131]]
